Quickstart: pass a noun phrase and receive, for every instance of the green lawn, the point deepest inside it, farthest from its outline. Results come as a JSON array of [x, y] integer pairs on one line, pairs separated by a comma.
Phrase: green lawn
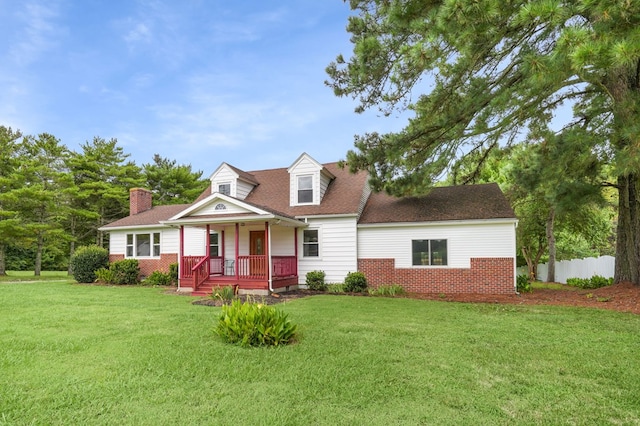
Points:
[[72, 354], [15, 276]]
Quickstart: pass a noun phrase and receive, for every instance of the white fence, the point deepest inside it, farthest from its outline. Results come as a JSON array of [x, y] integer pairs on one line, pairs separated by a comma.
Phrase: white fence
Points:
[[577, 268]]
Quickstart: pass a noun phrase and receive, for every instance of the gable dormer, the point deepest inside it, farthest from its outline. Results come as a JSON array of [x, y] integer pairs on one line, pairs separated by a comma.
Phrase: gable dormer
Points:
[[229, 180], [308, 181]]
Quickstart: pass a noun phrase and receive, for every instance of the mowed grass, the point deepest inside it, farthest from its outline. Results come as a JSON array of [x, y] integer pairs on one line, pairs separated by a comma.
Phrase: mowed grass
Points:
[[73, 354], [27, 276]]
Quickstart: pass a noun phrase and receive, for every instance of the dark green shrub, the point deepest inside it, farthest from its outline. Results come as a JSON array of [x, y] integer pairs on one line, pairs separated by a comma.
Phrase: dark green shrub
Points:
[[355, 282], [315, 280], [173, 272], [254, 324], [86, 261], [596, 281], [126, 271], [158, 278], [523, 285]]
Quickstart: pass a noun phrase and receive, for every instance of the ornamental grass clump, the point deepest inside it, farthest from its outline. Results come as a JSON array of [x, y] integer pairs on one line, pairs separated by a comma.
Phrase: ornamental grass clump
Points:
[[254, 324]]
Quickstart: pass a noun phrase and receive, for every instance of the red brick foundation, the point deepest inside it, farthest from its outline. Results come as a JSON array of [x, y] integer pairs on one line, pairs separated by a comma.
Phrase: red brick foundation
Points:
[[147, 266], [486, 276]]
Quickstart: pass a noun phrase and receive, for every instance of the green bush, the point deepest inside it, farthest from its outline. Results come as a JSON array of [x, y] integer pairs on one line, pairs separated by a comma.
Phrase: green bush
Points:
[[315, 280], [523, 285], [335, 288], [595, 281], [387, 290], [355, 282], [158, 278], [126, 271], [86, 261], [254, 324], [105, 276], [173, 272], [225, 293]]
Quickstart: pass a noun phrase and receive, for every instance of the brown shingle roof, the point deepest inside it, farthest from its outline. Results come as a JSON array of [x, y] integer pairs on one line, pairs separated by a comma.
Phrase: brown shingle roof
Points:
[[465, 202], [149, 217], [341, 197]]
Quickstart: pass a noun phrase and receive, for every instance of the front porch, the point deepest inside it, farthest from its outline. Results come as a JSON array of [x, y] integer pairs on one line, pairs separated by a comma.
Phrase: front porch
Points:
[[247, 274]]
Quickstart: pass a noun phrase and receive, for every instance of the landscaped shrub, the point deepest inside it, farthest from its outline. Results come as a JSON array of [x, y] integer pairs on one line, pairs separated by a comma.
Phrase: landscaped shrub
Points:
[[254, 324], [595, 281], [387, 290], [173, 272], [105, 276], [225, 293], [335, 288], [315, 280], [126, 271], [523, 285], [355, 282], [86, 261], [158, 278]]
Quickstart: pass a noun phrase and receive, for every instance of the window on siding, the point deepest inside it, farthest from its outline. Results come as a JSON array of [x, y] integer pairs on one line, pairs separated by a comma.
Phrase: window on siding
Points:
[[214, 246], [429, 252], [224, 188], [143, 245], [305, 189], [310, 245]]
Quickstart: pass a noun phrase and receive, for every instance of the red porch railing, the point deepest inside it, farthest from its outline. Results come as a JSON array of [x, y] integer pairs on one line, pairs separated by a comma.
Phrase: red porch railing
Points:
[[284, 266], [252, 267], [186, 265], [201, 272]]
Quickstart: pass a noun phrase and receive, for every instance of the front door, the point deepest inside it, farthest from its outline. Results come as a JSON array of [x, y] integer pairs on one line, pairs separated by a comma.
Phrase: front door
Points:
[[256, 248]]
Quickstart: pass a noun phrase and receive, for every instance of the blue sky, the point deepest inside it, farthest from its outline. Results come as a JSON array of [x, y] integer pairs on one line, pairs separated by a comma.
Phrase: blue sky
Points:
[[200, 82]]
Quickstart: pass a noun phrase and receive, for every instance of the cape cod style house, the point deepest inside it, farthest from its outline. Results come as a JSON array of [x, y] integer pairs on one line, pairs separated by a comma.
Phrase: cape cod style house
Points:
[[262, 231]]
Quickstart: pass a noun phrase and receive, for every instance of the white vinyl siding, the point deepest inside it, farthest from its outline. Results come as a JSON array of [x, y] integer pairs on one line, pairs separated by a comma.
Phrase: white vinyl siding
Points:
[[213, 208], [195, 241], [242, 190], [304, 167], [464, 241], [337, 245], [238, 189]]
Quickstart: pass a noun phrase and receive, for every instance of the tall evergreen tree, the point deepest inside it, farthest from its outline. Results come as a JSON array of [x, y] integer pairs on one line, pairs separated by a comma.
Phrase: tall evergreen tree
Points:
[[10, 180], [492, 71], [172, 183], [41, 200], [104, 177]]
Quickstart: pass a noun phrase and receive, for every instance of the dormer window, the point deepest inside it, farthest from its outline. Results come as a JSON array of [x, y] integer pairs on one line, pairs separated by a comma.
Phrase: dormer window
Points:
[[224, 188], [305, 189]]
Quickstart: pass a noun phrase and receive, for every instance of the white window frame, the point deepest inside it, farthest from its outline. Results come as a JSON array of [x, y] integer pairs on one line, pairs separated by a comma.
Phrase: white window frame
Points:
[[224, 184], [131, 245], [216, 245], [306, 244], [429, 260], [298, 189]]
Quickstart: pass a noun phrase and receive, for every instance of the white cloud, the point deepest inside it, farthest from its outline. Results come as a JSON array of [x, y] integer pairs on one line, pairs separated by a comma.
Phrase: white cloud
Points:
[[39, 34]]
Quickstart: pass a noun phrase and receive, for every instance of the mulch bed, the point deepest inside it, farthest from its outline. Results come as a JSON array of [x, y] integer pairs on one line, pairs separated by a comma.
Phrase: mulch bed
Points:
[[623, 297]]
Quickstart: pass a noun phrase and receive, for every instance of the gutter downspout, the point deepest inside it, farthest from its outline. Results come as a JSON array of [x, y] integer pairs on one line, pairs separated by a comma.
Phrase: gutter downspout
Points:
[[267, 233]]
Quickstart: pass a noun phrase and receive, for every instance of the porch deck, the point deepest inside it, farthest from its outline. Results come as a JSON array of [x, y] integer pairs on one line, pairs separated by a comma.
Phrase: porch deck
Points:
[[244, 272]]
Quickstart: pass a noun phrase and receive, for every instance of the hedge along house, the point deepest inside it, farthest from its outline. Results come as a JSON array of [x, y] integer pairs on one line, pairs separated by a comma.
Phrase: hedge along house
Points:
[[262, 231]]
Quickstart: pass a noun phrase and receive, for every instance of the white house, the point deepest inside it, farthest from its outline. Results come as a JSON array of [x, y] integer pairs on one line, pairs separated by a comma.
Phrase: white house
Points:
[[262, 231]]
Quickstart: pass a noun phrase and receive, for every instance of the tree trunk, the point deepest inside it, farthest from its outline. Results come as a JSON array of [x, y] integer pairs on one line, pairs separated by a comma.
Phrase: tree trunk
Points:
[[40, 244], [628, 232], [2, 260], [551, 242], [72, 249]]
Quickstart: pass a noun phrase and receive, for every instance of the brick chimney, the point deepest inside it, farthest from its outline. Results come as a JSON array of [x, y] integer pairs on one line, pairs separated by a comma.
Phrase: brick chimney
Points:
[[140, 200]]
